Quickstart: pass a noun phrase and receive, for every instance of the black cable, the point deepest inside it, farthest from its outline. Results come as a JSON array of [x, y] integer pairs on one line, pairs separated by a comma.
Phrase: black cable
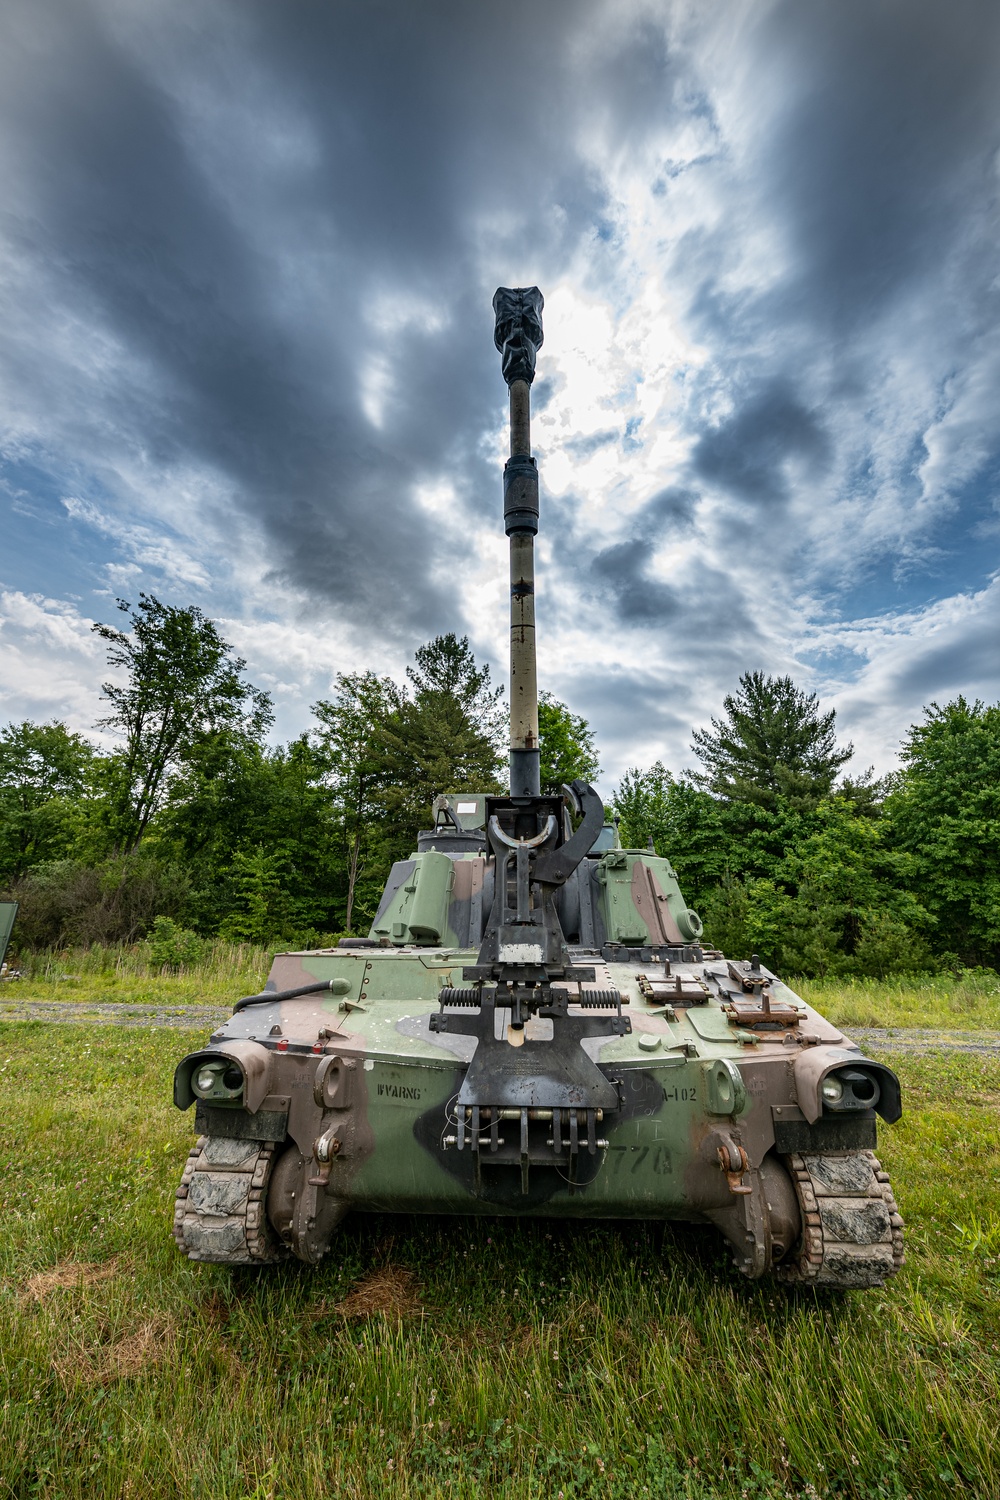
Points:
[[268, 997]]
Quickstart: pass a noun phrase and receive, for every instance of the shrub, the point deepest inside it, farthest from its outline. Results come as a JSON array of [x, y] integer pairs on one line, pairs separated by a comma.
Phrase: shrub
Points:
[[887, 945], [172, 946], [70, 903]]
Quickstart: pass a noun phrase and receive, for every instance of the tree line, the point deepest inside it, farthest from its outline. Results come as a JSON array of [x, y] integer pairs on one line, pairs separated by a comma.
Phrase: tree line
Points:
[[194, 816], [824, 874]]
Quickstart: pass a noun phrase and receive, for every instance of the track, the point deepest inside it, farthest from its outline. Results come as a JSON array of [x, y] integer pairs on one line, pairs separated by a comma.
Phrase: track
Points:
[[918, 1039], [219, 1211], [852, 1232]]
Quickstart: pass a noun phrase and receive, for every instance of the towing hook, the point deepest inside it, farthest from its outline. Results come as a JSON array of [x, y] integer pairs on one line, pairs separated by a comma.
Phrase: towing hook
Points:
[[734, 1162], [325, 1149]]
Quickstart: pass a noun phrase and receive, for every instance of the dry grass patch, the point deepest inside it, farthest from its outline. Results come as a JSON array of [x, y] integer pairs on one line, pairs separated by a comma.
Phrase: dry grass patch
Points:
[[527, 1342], [102, 1364], [70, 1275], [391, 1292]]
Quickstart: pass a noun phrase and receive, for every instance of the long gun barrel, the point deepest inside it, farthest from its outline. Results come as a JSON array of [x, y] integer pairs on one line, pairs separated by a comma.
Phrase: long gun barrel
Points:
[[518, 337]]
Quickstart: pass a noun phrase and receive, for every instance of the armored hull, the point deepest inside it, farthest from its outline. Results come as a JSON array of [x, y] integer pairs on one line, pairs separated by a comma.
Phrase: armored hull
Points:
[[350, 1098]]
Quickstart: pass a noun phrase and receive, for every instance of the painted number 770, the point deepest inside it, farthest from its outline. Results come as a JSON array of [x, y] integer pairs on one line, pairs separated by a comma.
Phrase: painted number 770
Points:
[[659, 1161]]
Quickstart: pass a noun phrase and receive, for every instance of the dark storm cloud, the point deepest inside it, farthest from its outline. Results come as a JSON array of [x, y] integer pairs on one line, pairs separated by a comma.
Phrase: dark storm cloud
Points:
[[621, 575], [887, 139], [585, 447], [873, 167], [956, 665], [621, 572], [256, 244], [620, 699], [746, 453], [670, 510], [412, 118]]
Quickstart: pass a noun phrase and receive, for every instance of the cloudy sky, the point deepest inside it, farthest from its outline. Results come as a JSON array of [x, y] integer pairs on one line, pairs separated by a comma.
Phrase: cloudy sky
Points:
[[247, 256]]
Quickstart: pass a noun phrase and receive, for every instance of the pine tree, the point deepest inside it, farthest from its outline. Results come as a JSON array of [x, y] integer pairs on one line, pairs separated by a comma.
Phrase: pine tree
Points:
[[773, 745]]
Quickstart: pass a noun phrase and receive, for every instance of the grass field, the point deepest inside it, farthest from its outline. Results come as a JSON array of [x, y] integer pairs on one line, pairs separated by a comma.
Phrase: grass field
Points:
[[433, 1357], [227, 971], [968, 1003]]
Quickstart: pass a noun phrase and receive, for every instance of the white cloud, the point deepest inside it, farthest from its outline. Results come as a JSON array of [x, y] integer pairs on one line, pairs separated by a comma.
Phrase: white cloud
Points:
[[52, 664]]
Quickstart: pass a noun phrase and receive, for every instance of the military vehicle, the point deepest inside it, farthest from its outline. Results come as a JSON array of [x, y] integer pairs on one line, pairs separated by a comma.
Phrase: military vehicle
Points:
[[534, 1025]]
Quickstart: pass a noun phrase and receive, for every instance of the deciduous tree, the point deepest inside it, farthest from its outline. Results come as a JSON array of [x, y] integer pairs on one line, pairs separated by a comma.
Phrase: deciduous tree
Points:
[[46, 774], [567, 747], [182, 681], [944, 811], [355, 740]]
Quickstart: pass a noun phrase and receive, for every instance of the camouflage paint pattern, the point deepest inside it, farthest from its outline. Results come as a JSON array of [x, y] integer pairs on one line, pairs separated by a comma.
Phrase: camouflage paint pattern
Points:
[[363, 1064]]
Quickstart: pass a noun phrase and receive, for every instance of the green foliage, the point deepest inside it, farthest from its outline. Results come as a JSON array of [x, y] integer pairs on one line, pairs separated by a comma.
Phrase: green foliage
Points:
[[172, 946], [263, 909], [944, 812], [46, 791], [443, 738], [887, 945], [446, 667], [116, 901], [182, 682], [815, 889], [125, 973], [197, 820], [773, 745], [567, 746], [388, 752], [234, 799], [684, 823], [351, 745]]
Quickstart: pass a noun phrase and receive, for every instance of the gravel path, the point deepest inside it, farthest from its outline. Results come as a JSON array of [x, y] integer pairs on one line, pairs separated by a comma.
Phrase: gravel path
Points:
[[207, 1017], [915, 1039], [100, 1013]]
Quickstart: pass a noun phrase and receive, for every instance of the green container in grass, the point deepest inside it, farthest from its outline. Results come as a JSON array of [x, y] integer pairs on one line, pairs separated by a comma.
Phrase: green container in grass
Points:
[[8, 911]]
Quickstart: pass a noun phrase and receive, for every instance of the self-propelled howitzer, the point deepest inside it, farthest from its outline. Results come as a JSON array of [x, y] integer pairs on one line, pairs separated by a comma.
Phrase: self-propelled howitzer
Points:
[[535, 1026]]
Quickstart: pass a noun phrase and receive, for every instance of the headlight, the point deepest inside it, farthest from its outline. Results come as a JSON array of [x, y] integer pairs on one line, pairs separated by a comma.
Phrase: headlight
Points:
[[850, 1089], [218, 1080]]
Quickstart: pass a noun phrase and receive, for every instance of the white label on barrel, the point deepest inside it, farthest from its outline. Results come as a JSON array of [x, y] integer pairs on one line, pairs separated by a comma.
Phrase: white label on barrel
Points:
[[466, 807]]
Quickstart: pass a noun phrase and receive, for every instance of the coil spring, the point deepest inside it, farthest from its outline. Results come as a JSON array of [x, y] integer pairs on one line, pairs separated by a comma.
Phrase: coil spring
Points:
[[596, 999], [588, 999], [471, 999]]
